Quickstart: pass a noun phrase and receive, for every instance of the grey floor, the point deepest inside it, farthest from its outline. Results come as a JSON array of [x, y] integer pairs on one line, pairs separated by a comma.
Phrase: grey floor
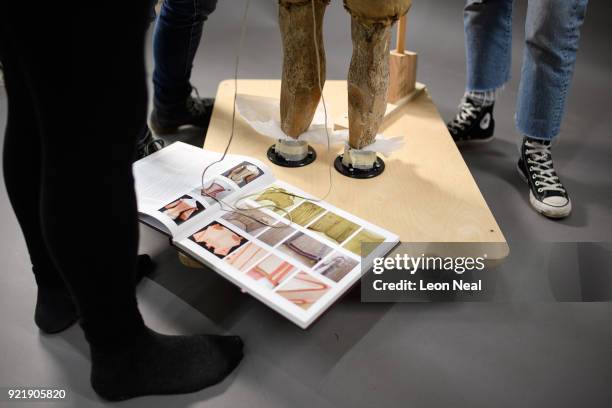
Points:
[[537, 345]]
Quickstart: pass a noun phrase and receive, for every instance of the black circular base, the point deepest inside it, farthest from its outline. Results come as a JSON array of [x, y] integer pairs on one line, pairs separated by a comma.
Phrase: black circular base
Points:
[[352, 172], [281, 161]]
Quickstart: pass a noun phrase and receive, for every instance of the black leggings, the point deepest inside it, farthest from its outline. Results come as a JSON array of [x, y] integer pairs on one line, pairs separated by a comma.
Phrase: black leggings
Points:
[[76, 103]]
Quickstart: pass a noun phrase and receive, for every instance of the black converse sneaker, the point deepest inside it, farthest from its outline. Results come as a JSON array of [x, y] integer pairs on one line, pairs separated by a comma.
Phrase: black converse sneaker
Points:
[[547, 195], [196, 112], [473, 124], [148, 144]]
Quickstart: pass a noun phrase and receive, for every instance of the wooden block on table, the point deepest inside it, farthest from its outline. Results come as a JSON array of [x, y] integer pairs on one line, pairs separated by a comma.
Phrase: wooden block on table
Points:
[[343, 122], [402, 74]]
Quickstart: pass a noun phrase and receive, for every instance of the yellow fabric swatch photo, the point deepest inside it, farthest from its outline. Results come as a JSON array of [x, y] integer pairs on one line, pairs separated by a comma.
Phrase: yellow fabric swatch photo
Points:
[[305, 213]]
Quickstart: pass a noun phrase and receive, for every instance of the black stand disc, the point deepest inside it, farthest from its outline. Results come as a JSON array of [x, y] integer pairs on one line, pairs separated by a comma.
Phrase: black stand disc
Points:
[[352, 172], [281, 161]]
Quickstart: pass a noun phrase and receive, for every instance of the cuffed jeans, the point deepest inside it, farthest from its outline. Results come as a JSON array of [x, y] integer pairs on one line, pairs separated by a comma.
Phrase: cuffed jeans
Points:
[[552, 34], [177, 35]]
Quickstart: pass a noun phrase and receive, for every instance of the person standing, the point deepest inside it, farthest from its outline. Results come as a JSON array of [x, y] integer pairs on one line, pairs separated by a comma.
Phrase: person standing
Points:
[[176, 103], [552, 34], [84, 254]]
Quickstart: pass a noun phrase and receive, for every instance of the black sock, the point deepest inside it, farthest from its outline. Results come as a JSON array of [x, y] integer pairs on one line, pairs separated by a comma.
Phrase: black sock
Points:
[[144, 267], [55, 309], [158, 364]]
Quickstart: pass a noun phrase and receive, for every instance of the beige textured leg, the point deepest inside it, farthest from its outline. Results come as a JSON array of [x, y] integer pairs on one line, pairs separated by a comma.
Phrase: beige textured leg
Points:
[[368, 78], [300, 92]]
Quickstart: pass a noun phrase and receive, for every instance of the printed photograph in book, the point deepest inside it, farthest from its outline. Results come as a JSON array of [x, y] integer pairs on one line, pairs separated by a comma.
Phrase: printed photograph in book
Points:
[[303, 290], [243, 174], [246, 256], [305, 249], [278, 199], [182, 209], [271, 272], [218, 239], [252, 221], [354, 244], [336, 267], [305, 213], [217, 189], [276, 234], [334, 227]]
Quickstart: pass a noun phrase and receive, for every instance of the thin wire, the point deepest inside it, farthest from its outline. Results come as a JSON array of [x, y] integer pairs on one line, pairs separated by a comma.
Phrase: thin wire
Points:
[[236, 65], [236, 208], [316, 44]]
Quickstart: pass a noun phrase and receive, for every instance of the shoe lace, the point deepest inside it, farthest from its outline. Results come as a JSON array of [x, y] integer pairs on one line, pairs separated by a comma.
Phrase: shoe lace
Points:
[[152, 144], [195, 105], [541, 168], [467, 113]]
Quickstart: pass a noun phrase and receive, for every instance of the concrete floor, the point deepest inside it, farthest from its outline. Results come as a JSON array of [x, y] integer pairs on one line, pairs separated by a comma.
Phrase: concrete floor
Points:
[[545, 342]]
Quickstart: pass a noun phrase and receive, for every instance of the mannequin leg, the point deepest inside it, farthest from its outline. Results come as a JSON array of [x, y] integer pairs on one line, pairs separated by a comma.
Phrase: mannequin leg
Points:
[[368, 77], [300, 92]]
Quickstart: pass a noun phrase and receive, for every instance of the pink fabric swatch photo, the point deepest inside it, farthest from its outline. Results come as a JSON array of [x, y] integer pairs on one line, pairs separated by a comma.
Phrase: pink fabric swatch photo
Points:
[[303, 290], [272, 271], [246, 256], [218, 239]]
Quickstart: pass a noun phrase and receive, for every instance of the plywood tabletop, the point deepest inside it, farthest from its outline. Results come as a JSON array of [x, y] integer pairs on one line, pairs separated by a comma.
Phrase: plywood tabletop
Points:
[[426, 194]]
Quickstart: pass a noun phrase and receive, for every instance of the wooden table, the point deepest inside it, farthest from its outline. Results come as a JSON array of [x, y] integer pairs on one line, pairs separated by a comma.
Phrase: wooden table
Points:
[[426, 193]]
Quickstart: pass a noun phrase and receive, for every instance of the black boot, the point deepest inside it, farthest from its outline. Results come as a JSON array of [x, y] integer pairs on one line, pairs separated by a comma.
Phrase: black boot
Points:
[[195, 112]]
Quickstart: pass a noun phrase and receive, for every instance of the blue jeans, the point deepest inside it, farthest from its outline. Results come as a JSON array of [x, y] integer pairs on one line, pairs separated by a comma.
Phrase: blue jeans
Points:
[[177, 35], [552, 34]]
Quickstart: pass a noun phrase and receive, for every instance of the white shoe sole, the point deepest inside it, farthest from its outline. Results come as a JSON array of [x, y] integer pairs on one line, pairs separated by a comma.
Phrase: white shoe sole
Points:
[[546, 210], [474, 141]]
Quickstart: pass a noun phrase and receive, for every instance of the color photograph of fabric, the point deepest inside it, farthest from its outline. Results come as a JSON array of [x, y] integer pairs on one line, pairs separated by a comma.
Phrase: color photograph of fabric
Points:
[[252, 221], [305, 213], [279, 199], [218, 239], [303, 290], [271, 272], [243, 174], [276, 234], [217, 188], [305, 249], [334, 227], [354, 245], [246, 256], [182, 209], [336, 267]]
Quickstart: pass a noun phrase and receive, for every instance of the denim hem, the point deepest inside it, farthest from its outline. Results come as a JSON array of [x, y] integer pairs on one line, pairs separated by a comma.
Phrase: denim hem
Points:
[[532, 136], [497, 89]]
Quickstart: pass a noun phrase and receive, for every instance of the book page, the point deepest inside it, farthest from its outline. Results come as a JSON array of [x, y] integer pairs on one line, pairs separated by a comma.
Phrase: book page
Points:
[[169, 185], [302, 264]]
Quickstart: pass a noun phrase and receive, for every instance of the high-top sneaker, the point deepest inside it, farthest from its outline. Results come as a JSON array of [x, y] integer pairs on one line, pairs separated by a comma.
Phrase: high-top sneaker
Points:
[[473, 124], [195, 112], [547, 194]]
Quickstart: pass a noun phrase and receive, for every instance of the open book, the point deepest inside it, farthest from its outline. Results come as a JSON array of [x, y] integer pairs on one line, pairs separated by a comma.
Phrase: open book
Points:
[[298, 265]]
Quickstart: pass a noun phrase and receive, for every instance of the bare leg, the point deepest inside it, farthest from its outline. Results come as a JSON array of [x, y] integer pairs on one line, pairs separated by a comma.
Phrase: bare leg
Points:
[[368, 77], [300, 91]]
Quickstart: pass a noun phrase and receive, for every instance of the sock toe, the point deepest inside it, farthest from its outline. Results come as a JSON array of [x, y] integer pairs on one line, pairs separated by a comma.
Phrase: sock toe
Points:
[[161, 364]]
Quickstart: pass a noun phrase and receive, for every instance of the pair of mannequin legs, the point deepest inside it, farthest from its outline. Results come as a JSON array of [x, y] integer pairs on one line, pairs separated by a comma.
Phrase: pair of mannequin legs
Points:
[[301, 23]]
